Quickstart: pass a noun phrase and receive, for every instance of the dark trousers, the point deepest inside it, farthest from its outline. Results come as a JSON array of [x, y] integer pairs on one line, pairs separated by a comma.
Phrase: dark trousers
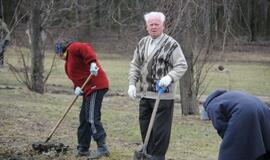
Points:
[[160, 135], [90, 121]]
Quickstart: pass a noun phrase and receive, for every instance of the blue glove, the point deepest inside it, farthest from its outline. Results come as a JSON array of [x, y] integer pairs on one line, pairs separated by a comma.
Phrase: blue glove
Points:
[[160, 89], [94, 69], [78, 91]]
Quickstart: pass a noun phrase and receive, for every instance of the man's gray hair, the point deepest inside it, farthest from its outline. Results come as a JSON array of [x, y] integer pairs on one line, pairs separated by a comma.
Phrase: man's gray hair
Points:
[[147, 16]]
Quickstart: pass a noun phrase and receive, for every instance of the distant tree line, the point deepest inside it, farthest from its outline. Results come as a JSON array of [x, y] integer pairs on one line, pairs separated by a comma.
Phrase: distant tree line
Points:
[[198, 25], [249, 19]]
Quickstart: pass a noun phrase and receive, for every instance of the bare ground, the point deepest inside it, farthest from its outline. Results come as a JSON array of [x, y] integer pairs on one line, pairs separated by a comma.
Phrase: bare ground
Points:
[[27, 117]]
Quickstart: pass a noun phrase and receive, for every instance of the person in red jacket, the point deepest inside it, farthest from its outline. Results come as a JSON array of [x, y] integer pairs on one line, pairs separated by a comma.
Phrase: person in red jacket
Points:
[[80, 62]]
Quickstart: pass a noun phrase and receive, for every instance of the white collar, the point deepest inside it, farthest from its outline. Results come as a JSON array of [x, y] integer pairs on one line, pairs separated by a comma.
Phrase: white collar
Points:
[[156, 40]]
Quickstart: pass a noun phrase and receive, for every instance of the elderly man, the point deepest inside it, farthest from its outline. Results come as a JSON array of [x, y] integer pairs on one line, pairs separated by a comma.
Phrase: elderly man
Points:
[[157, 57], [243, 123]]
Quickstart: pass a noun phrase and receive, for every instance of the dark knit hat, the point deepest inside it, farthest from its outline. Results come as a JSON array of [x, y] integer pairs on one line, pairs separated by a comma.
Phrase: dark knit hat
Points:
[[61, 46]]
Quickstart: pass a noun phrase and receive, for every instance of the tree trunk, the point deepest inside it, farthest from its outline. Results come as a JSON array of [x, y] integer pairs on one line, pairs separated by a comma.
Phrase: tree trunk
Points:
[[83, 15], [37, 67], [268, 23], [189, 103], [7, 10], [174, 23], [119, 16], [98, 13], [252, 20]]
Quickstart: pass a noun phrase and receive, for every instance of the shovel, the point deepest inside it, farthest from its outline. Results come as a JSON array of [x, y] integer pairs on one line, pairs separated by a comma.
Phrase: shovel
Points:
[[142, 154], [39, 146]]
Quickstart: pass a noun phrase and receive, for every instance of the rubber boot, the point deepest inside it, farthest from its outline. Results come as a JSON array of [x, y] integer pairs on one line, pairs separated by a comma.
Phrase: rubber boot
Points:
[[102, 151]]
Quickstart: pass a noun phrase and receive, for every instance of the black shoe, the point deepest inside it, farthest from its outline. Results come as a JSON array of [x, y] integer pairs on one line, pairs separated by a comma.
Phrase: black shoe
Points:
[[138, 155], [102, 151], [80, 153]]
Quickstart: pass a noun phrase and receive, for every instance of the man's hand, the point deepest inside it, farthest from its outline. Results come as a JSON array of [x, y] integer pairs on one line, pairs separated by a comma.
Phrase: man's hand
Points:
[[78, 91], [165, 81], [94, 69], [132, 92]]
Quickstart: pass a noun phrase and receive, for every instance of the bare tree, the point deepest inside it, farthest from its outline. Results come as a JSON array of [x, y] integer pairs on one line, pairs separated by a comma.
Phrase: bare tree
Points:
[[44, 17], [197, 25], [83, 17], [189, 22], [37, 48]]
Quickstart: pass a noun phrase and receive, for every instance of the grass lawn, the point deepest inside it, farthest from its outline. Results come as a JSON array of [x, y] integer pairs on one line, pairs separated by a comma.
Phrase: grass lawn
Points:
[[245, 76], [27, 117]]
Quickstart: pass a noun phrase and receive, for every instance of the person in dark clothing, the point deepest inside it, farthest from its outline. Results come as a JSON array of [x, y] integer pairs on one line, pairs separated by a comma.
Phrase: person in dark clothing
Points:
[[243, 123], [80, 61]]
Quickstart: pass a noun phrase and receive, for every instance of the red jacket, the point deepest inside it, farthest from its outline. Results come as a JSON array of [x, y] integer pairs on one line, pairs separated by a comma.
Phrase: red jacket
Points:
[[77, 67]]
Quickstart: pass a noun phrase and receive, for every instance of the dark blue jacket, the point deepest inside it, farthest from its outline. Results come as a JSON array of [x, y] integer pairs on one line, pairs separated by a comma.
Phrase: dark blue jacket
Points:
[[243, 123]]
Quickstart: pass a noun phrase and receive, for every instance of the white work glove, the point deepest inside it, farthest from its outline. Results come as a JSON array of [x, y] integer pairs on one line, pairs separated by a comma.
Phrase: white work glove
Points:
[[132, 92], [204, 115], [94, 69], [78, 91], [165, 81]]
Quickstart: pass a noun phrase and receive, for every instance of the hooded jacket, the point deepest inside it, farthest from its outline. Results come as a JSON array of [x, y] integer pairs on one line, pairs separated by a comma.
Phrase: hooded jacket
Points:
[[243, 123]]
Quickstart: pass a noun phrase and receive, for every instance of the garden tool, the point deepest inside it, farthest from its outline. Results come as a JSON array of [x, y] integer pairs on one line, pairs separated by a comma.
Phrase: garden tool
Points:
[[142, 154], [39, 146]]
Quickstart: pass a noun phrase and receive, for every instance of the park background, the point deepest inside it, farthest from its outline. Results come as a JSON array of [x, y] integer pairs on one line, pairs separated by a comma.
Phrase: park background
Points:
[[34, 90]]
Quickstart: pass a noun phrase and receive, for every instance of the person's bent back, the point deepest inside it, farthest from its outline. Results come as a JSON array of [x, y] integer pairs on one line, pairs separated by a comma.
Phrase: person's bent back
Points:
[[243, 123]]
